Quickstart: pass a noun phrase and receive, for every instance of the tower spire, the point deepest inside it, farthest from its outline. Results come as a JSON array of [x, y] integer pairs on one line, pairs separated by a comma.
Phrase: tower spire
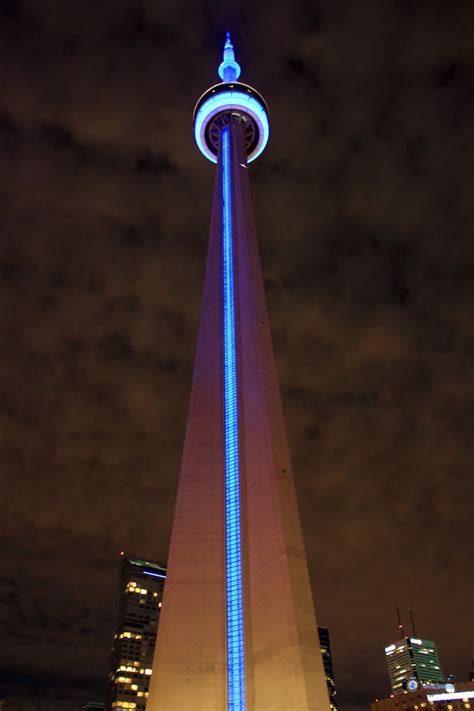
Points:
[[229, 69]]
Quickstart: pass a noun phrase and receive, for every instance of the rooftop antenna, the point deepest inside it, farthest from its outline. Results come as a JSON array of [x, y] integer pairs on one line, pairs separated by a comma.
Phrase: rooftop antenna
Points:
[[410, 612], [400, 625], [229, 69]]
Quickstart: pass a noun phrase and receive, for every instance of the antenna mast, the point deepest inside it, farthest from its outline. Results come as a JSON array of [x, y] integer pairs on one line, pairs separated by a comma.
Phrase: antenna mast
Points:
[[410, 612], [400, 625]]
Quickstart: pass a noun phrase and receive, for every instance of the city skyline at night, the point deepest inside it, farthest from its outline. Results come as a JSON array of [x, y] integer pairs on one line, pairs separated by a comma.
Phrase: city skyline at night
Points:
[[364, 225], [133, 647]]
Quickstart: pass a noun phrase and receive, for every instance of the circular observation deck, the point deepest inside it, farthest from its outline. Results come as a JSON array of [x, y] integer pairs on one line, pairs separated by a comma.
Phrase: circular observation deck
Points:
[[215, 109]]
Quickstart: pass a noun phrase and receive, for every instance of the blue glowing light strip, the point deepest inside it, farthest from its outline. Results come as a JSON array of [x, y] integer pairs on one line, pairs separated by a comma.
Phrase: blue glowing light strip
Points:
[[156, 575], [235, 624]]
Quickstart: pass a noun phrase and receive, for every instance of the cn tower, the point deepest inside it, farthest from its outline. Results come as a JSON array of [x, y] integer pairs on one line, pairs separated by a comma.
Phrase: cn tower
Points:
[[238, 628]]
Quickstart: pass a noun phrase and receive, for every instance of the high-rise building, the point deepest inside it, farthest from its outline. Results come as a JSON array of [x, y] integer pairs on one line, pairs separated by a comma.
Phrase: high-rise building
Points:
[[138, 613], [413, 657], [238, 628], [323, 634]]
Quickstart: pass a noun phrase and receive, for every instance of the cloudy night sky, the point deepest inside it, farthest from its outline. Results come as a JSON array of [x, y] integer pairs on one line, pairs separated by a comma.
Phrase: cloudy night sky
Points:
[[363, 205]]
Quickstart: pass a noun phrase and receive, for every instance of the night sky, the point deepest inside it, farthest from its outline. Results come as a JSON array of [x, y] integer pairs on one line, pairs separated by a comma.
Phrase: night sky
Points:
[[363, 203]]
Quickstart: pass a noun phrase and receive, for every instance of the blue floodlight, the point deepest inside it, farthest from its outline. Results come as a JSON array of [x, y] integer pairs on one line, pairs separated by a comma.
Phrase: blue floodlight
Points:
[[235, 624]]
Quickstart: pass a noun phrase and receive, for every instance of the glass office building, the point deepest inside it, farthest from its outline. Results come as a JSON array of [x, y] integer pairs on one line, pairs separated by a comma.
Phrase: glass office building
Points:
[[323, 633], [138, 613], [413, 657]]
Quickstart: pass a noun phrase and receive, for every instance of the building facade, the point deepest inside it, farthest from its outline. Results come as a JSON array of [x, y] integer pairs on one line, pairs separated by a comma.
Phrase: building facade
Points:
[[238, 629], [323, 634], [435, 697], [138, 612], [413, 657]]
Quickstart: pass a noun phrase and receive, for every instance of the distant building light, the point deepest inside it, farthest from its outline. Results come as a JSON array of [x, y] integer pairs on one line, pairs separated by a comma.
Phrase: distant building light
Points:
[[454, 695], [415, 641], [390, 648], [412, 684]]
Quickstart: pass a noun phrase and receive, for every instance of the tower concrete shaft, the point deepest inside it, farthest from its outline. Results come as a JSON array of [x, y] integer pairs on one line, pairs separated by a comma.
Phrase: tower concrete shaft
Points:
[[237, 629]]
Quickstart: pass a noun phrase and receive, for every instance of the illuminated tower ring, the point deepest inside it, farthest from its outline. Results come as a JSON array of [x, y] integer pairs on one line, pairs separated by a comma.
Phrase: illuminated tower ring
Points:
[[216, 106], [214, 109]]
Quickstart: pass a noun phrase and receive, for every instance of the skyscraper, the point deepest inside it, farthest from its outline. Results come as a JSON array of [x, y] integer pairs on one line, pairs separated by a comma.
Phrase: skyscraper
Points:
[[238, 629], [138, 613], [413, 657], [323, 634]]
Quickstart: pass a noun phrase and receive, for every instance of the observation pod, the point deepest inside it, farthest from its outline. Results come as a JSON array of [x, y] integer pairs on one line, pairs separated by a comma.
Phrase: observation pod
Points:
[[237, 628], [218, 104]]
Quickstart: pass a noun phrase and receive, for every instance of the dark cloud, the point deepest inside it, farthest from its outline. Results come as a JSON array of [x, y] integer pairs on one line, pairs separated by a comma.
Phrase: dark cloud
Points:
[[10, 135], [364, 208]]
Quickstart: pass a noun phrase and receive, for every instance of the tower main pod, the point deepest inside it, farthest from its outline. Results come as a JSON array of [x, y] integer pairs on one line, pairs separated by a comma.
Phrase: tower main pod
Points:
[[237, 629]]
